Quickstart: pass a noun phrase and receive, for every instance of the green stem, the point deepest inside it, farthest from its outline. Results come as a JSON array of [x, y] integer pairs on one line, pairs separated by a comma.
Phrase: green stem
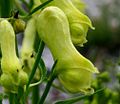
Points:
[[39, 7], [16, 99], [48, 86], [76, 99], [6, 7], [52, 76], [16, 46], [39, 53], [36, 42], [35, 94], [20, 96], [0, 101], [11, 98]]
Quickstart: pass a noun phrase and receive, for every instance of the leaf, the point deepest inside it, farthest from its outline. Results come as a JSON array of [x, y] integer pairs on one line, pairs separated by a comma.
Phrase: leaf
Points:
[[49, 84], [43, 72], [43, 69], [39, 53], [53, 67], [5, 7], [39, 7], [76, 99], [20, 92]]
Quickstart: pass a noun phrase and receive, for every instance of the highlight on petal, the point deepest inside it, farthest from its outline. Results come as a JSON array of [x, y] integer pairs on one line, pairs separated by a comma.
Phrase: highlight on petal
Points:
[[79, 4]]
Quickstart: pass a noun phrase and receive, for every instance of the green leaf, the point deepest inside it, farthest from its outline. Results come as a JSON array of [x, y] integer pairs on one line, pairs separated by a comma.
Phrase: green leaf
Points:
[[42, 69], [39, 7], [20, 92], [43, 72], [76, 99], [31, 4], [39, 53], [49, 84]]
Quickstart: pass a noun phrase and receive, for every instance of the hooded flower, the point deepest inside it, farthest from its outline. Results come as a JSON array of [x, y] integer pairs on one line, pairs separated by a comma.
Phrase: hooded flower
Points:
[[78, 22], [74, 71], [12, 74]]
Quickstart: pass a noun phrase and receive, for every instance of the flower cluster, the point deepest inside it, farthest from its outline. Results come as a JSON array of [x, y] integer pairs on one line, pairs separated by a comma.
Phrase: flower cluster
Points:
[[61, 25]]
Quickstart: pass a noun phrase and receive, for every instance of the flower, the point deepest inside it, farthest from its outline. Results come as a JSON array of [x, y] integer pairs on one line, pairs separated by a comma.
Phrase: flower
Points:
[[27, 49], [74, 71], [78, 22], [12, 74]]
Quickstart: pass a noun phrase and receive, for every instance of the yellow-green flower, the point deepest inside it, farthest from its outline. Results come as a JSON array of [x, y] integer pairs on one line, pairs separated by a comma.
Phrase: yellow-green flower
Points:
[[12, 73], [27, 50], [78, 22], [74, 70]]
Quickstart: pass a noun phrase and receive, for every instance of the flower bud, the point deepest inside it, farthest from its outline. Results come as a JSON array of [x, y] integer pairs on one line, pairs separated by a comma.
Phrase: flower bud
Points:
[[12, 74], [18, 25], [79, 23], [74, 71]]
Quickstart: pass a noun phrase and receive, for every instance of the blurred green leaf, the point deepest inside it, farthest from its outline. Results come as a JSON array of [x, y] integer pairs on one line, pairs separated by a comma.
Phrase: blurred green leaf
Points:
[[20, 92], [6, 7], [1, 96]]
